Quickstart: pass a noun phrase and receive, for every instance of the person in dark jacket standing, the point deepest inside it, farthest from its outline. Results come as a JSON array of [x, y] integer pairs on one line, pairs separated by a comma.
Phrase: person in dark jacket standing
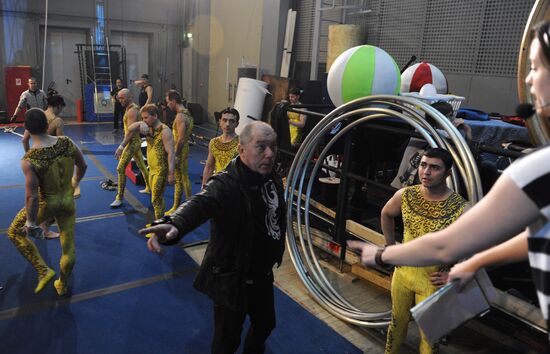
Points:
[[246, 206], [146, 93], [119, 110]]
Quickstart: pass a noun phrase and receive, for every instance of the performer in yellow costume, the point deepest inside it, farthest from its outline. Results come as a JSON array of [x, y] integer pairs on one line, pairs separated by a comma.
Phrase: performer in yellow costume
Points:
[[131, 149], [427, 207], [160, 154], [223, 148], [49, 185], [56, 103], [296, 121], [182, 129]]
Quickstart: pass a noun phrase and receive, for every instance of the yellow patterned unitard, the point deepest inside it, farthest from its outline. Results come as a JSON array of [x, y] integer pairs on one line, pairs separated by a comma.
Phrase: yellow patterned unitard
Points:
[[411, 285], [181, 171], [158, 169], [294, 130], [133, 149], [54, 167], [223, 152]]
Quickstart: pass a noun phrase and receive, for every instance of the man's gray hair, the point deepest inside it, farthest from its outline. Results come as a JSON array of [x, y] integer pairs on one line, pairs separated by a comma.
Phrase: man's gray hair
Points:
[[126, 92], [246, 133]]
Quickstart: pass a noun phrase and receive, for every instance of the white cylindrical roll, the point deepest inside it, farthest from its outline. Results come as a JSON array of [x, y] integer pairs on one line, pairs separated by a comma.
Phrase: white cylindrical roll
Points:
[[250, 100]]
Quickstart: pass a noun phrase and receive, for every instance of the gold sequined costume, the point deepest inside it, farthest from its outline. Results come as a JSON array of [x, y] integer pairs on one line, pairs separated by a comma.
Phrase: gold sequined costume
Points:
[[181, 171], [158, 169], [54, 167], [223, 152], [411, 285], [133, 149]]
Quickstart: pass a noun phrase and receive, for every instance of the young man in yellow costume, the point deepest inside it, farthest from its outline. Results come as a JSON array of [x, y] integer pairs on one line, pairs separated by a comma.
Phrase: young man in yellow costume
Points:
[[132, 148], [56, 103], [223, 148], [296, 121], [49, 185], [160, 153], [427, 207], [181, 128]]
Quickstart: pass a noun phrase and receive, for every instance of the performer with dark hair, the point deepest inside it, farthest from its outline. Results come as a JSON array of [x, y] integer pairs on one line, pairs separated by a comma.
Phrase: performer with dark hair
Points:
[[425, 207], [519, 199], [56, 103], [223, 148], [181, 128], [48, 167], [296, 121]]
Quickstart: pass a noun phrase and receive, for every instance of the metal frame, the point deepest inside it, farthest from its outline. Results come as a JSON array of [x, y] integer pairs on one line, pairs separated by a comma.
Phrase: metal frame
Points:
[[301, 178], [539, 127]]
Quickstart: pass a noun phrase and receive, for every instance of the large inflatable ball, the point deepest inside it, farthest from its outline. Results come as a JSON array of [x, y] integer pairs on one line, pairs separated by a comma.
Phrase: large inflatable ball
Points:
[[420, 74], [362, 71]]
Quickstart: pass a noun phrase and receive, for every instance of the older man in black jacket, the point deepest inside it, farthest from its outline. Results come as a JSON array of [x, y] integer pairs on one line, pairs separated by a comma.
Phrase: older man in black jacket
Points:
[[247, 208]]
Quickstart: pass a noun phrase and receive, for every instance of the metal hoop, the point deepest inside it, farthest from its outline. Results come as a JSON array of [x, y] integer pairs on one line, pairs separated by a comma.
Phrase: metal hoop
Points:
[[357, 112], [539, 127]]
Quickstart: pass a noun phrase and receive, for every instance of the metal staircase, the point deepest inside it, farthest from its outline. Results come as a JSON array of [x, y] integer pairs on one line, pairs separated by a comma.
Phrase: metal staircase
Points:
[[103, 83], [99, 65]]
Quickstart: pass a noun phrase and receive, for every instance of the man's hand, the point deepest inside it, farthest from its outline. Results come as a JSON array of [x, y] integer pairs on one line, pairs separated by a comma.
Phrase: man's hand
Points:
[[457, 122], [162, 231], [118, 152], [368, 251], [13, 118], [34, 231], [153, 244], [144, 129], [439, 279], [463, 272]]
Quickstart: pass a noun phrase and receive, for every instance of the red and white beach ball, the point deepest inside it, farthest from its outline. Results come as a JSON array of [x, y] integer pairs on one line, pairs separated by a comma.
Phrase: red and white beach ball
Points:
[[423, 73]]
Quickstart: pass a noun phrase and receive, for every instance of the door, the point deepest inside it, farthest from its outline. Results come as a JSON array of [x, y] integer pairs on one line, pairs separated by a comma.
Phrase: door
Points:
[[137, 56], [62, 67]]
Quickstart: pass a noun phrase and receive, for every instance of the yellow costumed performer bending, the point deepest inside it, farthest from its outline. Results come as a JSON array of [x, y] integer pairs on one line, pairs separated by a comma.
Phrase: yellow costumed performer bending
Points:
[[427, 207], [160, 153], [49, 185], [130, 149], [181, 128]]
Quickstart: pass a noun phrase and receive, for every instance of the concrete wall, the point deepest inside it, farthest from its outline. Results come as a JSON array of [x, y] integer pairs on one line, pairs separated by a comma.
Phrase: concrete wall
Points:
[[487, 93], [235, 37], [273, 35], [195, 67], [21, 20], [245, 31]]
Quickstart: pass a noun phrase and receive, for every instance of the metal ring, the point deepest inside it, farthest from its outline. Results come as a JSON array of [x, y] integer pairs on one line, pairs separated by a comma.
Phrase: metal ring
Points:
[[357, 112]]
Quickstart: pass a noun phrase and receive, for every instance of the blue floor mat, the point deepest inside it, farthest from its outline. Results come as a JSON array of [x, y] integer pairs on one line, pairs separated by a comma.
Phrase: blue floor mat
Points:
[[164, 317], [107, 315], [108, 252]]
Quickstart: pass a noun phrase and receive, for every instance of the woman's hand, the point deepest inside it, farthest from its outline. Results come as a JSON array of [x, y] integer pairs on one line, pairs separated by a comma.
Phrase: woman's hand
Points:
[[463, 272]]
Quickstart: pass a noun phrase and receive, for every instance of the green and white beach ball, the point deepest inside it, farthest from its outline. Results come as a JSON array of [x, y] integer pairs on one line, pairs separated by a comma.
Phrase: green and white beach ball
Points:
[[362, 71]]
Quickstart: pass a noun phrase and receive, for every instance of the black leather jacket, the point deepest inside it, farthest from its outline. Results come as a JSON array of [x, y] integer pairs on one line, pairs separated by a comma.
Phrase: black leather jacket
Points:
[[225, 200]]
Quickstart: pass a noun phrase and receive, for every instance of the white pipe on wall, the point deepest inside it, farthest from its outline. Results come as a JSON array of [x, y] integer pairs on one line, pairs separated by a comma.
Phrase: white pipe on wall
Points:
[[44, 51]]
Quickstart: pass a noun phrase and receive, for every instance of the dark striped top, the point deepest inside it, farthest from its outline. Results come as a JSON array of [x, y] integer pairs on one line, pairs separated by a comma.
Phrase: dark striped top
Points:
[[532, 175]]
